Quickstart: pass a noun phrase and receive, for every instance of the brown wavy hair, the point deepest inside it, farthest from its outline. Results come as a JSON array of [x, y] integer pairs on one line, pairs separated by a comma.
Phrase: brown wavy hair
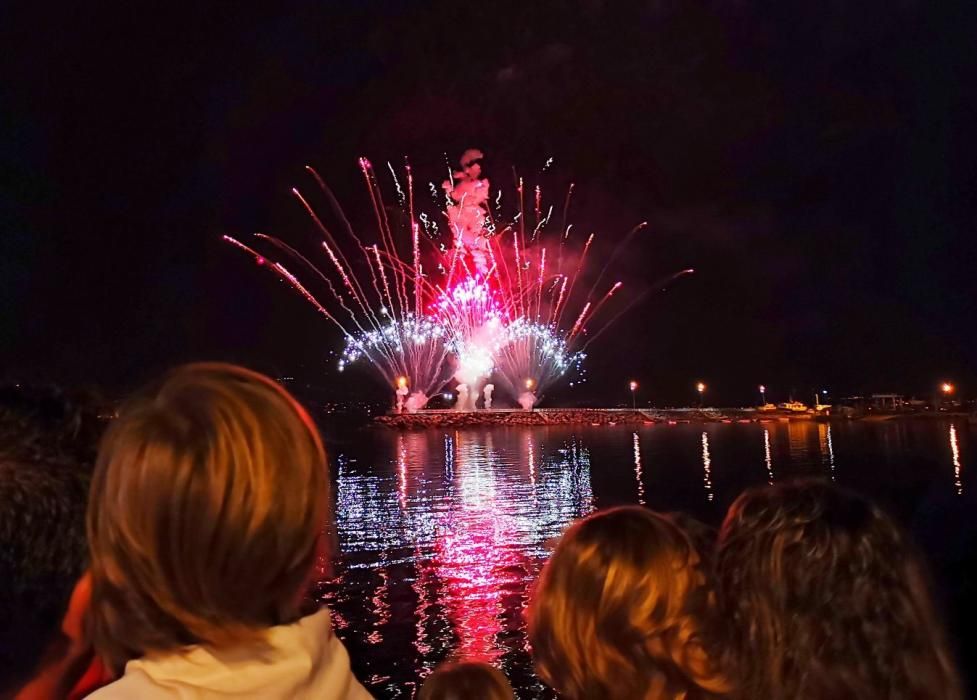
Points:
[[827, 599], [623, 609], [206, 514]]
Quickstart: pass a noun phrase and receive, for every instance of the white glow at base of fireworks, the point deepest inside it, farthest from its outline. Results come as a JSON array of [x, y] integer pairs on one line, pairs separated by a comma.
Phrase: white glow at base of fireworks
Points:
[[413, 348], [533, 356], [475, 362]]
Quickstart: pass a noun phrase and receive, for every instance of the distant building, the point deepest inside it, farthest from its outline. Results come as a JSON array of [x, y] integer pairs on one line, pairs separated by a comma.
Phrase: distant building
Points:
[[881, 402], [887, 402]]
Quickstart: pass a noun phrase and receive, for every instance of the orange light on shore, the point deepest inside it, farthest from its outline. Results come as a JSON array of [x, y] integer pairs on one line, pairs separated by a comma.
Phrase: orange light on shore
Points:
[[947, 388], [700, 387], [530, 383], [401, 382], [633, 385]]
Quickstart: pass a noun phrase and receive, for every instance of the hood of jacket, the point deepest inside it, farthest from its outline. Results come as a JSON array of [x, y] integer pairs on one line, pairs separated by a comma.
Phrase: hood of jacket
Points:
[[301, 660]]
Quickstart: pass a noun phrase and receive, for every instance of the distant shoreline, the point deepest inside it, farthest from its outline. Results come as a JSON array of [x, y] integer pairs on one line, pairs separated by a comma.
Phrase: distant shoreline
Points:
[[626, 416]]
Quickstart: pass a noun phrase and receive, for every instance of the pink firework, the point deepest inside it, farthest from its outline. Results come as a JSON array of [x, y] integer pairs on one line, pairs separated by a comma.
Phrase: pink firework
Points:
[[479, 296]]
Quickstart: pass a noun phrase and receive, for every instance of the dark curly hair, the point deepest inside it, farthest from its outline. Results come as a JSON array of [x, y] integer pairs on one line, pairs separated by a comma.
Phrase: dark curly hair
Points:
[[826, 598], [50, 425], [48, 439], [42, 556]]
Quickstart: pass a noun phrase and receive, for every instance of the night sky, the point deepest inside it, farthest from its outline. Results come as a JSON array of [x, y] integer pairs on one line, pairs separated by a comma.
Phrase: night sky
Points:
[[815, 162]]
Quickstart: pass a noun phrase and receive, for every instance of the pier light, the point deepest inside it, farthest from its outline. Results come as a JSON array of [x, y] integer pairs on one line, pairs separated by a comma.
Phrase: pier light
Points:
[[700, 387], [763, 394], [401, 382], [947, 388], [633, 385], [530, 383]]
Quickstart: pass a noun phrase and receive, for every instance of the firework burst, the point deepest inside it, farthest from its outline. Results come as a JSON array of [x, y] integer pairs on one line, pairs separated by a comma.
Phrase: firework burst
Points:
[[481, 295]]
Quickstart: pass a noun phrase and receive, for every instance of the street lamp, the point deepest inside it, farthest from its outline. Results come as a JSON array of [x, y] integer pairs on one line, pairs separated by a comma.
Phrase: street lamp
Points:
[[700, 387], [634, 387], [763, 395], [530, 384], [947, 388]]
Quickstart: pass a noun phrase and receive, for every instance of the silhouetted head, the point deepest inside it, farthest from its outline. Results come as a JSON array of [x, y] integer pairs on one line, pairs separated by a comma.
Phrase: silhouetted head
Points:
[[49, 425], [48, 439], [42, 557]]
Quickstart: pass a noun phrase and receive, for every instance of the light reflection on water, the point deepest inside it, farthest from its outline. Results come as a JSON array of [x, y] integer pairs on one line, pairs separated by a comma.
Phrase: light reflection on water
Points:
[[706, 466], [638, 477], [768, 460], [442, 532]]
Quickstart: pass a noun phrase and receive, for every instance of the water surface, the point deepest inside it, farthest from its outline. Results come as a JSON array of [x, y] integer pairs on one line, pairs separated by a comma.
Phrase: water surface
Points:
[[442, 532]]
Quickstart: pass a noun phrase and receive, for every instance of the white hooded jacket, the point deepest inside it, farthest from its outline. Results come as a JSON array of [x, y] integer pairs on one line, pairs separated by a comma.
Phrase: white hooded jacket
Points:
[[301, 660]]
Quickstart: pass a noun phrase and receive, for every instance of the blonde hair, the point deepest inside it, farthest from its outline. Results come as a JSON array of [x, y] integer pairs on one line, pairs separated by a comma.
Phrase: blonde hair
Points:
[[623, 609], [206, 513], [467, 680]]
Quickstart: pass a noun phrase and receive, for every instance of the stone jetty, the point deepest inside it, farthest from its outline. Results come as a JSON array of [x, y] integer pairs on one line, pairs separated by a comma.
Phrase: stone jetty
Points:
[[566, 416]]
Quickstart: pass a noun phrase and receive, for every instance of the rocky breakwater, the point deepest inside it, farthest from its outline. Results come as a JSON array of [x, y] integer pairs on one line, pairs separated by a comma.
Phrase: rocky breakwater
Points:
[[546, 416], [563, 416]]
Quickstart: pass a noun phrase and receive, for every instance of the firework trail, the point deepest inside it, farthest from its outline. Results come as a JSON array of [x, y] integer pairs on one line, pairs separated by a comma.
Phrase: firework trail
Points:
[[379, 324]]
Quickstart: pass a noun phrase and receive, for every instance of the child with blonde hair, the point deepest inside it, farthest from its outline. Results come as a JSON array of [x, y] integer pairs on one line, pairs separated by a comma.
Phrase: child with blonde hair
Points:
[[205, 522], [625, 609], [466, 680]]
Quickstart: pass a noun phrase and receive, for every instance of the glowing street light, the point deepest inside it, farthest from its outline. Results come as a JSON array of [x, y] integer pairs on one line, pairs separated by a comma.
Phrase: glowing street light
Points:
[[530, 384], [634, 387], [700, 387], [401, 382], [763, 395], [947, 388]]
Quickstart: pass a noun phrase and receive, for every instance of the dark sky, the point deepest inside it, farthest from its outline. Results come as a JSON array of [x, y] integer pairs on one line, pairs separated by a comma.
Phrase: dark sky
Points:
[[815, 162]]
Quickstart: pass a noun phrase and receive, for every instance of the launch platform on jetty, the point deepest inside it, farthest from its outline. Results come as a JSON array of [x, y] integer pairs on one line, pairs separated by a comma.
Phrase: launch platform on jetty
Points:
[[449, 418]]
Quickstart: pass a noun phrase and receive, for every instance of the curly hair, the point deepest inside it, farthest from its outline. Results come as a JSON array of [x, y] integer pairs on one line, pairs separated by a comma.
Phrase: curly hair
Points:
[[623, 609], [826, 598], [42, 555], [48, 425]]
